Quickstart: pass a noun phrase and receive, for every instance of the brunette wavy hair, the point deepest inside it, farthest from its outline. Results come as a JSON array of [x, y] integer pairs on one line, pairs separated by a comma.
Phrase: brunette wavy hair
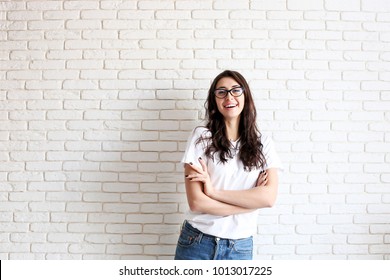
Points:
[[251, 148]]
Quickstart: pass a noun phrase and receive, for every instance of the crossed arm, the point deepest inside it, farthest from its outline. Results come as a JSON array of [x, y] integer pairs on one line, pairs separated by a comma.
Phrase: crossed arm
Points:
[[203, 198]]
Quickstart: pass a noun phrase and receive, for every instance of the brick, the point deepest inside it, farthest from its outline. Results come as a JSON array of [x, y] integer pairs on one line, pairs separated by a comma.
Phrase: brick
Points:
[[314, 249], [83, 207], [155, 5], [106, 218], [124, 228], [31, 217], [120, 187], [68, 217], [121, 207], [24, 15], [308, 189], [28, 237], [334, 219], [276, 249], [379, 228], [163, 208], [155, 167], [198, 44], [25, 176], [371, 218], [137, 177], [333, 5], [350, 249], [44, 206], [330, 239], [305, 5], [124, 249], [379, 249], [101, 135], [297, 219], [314, 229], [161, 64], [375, 6], [44, 166], [99, 176], [65, 237], [136, 74]]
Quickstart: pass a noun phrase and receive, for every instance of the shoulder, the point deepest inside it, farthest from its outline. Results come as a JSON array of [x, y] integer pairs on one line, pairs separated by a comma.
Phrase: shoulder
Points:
[[201, 131], [265, 138], [200, 135], [267, 142], [270, 153]]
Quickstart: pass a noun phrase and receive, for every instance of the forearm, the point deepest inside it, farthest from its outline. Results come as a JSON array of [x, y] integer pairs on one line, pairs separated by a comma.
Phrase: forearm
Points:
[[204, 198], [199, 202], [258, 197], [207, 205], [261, 196]]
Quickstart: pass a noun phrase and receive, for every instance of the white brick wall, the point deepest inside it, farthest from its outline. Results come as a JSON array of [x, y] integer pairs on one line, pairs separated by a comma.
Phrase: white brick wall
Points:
[[97, 99]]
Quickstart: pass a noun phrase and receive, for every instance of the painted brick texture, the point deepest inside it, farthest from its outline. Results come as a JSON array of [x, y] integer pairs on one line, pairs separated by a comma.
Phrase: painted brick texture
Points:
[[97, 99]]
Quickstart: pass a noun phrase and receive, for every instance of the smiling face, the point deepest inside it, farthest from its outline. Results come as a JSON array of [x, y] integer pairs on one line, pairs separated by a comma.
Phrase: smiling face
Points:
[[230, 107]]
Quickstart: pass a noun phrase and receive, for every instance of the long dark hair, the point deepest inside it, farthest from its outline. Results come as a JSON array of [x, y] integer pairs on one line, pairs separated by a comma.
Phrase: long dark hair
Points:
[[251, 148]]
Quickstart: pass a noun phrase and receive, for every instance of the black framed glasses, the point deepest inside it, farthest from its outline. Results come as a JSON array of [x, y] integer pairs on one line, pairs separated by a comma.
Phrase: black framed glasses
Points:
[[222, 93]]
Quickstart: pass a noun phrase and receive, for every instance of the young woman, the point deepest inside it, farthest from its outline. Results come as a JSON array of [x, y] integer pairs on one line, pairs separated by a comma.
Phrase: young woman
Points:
[[230, 172]]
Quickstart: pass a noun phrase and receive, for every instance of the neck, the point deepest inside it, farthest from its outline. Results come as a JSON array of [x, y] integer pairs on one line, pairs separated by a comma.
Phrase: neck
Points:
[[232, 129]]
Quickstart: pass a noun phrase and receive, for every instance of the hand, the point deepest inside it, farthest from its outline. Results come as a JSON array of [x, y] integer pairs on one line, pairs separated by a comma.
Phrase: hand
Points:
[[201, 175], [262, 179]]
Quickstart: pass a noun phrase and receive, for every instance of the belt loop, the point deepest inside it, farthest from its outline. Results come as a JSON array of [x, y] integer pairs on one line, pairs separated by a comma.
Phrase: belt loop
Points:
[[183, 225], [231, 243], [199, 237]]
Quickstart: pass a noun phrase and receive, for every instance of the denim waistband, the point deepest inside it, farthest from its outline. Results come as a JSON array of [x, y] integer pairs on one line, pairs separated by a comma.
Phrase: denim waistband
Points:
[[189, 227]]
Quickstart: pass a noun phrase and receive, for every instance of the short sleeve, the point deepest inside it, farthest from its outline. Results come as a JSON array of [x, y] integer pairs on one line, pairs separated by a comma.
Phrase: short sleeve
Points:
[[195, 148], [271, 156]]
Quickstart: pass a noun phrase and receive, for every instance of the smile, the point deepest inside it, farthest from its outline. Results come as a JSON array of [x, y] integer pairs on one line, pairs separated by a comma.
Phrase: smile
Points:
[[229, 106]]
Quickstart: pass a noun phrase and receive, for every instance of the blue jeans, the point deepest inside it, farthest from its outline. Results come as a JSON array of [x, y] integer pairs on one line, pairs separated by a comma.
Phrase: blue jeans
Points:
[[195, 245]]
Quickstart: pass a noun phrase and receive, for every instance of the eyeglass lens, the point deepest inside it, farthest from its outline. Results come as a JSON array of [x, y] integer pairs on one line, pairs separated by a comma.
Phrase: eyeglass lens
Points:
[[222, 93]]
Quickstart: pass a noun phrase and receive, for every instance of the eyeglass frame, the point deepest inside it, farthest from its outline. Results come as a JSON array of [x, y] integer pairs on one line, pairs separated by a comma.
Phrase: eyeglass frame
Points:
[[229, 91]]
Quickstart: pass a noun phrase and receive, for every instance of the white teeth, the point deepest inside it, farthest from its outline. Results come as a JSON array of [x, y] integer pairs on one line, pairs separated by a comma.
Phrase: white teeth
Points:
[[230, 106]]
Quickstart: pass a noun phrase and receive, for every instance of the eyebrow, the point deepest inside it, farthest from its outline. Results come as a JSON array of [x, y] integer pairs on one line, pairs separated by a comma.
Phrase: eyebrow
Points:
[[226, 87]]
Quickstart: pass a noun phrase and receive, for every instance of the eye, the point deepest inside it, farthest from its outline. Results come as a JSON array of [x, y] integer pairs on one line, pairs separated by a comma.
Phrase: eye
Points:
[[237, 91], [220, 91]]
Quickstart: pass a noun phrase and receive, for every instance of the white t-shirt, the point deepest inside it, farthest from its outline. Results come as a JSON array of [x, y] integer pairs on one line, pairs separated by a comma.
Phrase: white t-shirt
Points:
[[228, 176]]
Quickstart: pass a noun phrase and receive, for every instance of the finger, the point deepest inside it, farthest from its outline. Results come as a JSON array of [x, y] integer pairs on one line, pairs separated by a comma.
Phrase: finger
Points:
[[195, 175], [196, 179], [261, 176], [262, 179], [203, 164], [195, 168], [190, 176], [265, 179], [259, 183], [263, 183]]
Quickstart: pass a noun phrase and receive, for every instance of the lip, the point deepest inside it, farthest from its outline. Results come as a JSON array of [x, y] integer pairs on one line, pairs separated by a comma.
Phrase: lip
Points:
[[230, 105]]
